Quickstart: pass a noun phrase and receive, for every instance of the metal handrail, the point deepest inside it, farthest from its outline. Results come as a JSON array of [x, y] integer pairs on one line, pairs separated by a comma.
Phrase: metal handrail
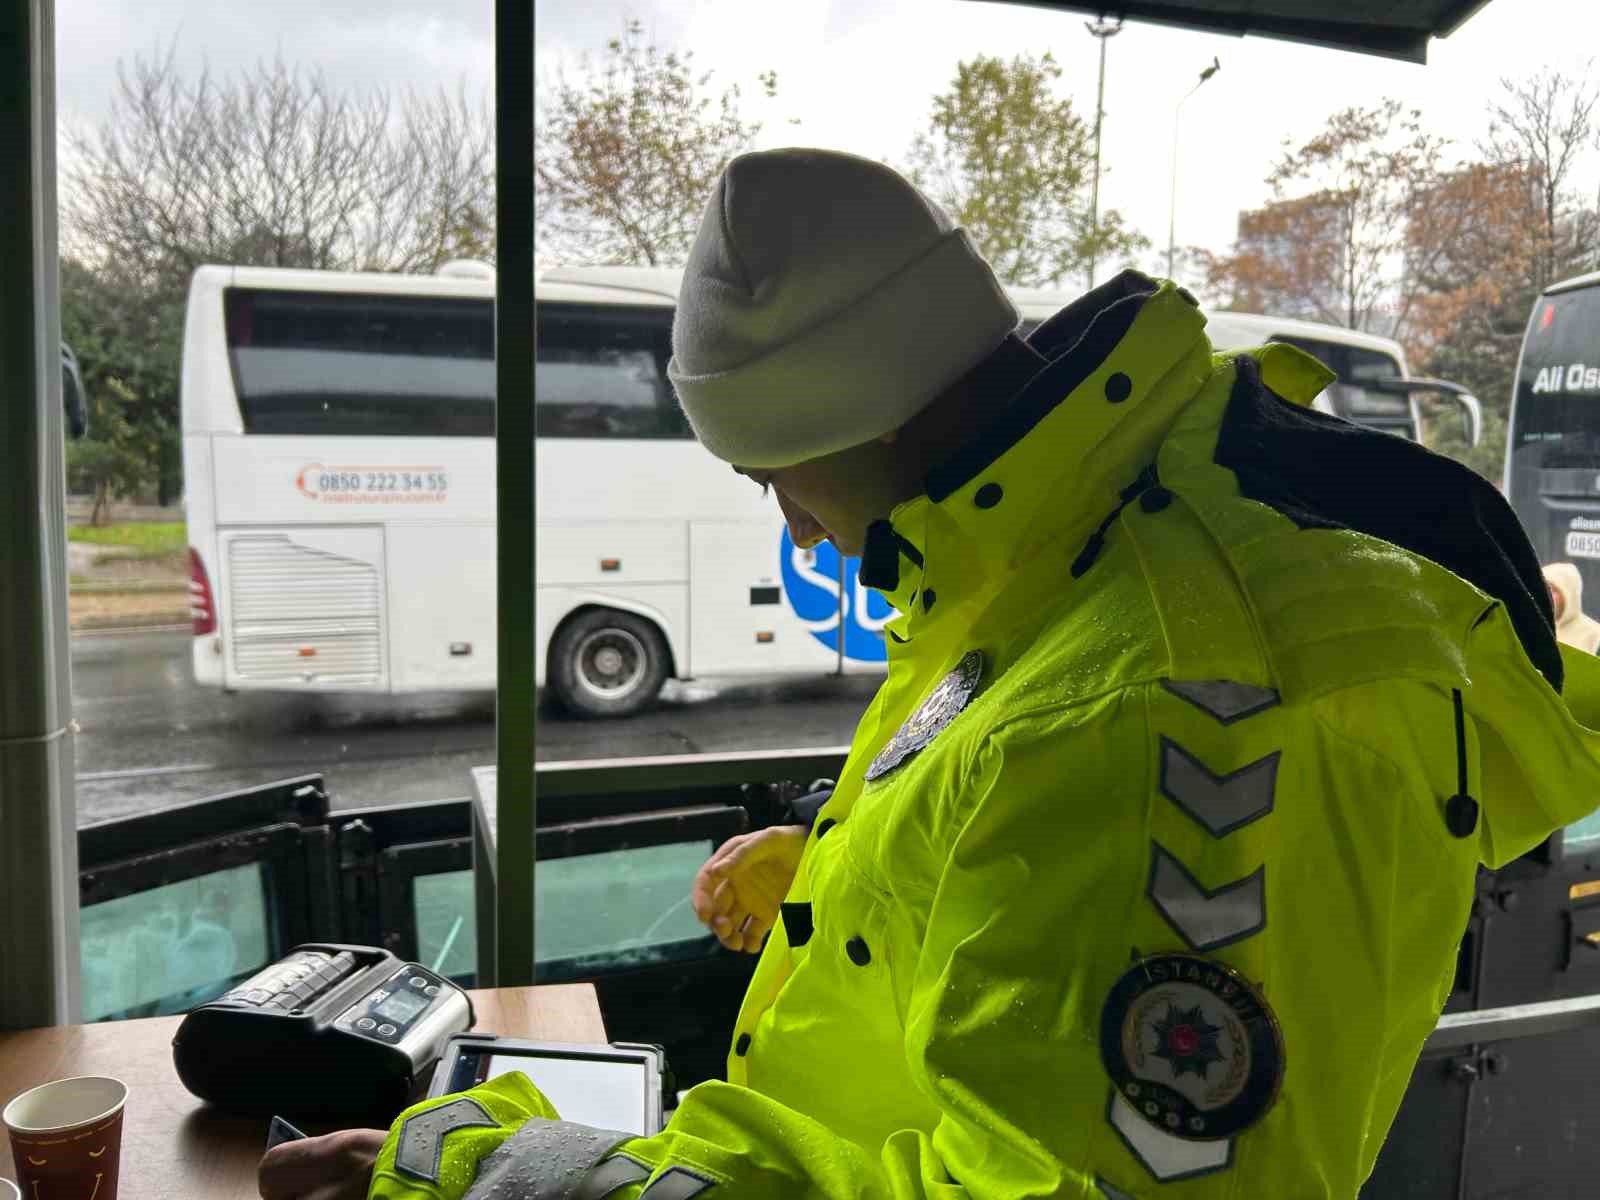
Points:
[[1456, 1030], [677, 772]]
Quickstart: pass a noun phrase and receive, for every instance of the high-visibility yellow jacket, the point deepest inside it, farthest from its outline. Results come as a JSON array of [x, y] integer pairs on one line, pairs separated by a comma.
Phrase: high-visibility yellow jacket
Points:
[[1148, 868]]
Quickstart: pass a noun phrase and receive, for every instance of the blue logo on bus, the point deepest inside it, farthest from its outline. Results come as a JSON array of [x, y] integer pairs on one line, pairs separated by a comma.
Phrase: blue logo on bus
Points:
[[811, 583]]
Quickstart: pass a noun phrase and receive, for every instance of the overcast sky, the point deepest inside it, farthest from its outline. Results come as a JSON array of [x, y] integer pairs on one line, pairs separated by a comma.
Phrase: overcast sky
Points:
[[857, 75]]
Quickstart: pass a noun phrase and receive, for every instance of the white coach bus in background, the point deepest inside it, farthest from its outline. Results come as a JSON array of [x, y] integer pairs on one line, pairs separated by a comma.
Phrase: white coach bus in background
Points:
[[1375, 387], [340, 488], [339, 458]]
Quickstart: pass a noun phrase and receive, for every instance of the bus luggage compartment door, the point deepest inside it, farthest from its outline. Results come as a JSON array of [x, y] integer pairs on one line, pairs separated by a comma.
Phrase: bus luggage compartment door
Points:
[[304, 609]]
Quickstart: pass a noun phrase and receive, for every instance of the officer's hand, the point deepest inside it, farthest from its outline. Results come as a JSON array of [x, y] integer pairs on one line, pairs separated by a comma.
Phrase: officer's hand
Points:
[[738, 891], [335, 1167]]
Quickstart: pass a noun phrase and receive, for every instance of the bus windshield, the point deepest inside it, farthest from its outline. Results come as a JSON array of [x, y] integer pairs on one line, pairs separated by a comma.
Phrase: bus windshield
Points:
[[1557, 421], [1348, 398], [1553, 460]]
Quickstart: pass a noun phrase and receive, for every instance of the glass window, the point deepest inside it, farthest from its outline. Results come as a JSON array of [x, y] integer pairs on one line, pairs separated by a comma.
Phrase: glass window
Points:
[[447, 923], [269, 228], [602, 372], [341, 363], [1582, 836], [620, 906], [169, 948]]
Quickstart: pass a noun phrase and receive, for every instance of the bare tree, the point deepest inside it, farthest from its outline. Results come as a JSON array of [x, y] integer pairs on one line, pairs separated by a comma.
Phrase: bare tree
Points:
[[276, 168], [1543, 125], [626, 157]]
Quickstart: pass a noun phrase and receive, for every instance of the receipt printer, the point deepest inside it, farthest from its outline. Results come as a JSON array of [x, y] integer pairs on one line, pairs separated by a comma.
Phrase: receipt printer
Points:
[[329, 1033]]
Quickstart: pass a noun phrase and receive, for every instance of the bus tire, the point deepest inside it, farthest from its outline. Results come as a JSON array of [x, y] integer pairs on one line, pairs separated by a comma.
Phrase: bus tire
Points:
[[605, 663]]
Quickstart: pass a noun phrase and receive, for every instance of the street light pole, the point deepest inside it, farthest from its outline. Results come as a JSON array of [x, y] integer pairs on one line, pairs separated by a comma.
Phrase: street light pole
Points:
[[1104, 30], [1172, 206]]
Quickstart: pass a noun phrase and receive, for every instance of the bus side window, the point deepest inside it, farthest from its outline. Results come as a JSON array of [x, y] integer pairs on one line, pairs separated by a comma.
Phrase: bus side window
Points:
[[1347, 396], [601, 373], [347, 364]]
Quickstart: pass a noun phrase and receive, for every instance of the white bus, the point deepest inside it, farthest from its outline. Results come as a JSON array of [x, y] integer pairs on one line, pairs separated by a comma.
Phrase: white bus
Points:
[[1375, 387], [340, 489], [338, 452]]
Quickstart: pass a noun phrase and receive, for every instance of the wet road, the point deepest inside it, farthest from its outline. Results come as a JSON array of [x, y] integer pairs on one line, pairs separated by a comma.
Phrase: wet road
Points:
[[150, 738]]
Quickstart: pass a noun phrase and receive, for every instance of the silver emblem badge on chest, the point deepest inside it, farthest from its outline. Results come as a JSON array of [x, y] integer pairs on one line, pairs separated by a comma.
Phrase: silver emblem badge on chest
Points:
[[943, 705]]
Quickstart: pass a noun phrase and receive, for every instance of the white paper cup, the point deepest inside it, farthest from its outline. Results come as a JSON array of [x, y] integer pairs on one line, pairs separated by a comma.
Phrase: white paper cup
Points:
[[66, 1137], [8, 1190]]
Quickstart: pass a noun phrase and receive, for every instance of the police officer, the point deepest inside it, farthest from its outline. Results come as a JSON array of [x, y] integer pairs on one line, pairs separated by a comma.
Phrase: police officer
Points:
[[1146, 873]]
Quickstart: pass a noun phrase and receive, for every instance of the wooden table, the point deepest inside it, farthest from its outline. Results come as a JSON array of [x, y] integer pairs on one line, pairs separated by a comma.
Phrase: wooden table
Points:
[[173, 1146]]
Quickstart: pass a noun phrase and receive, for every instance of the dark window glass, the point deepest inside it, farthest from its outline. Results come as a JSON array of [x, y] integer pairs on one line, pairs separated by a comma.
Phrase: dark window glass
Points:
[[346, 364], [1355, 365], [602, 372]]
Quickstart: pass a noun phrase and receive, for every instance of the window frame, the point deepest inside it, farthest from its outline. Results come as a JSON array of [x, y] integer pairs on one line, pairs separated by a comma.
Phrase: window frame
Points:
[[383, 850], [516, 517]]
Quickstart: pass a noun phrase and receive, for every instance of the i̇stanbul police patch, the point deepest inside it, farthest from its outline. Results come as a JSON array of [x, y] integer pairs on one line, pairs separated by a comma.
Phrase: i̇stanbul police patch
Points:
[[1192, 1046], [941, 707]]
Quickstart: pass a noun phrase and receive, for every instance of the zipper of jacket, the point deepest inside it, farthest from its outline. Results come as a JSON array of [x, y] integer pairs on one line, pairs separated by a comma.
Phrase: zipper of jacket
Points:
[[1461, 810], [1146, 480]]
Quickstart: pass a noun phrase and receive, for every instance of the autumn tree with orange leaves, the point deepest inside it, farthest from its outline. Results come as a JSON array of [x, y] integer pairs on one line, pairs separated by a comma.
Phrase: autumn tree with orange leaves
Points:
[[1331, 246], [1370, 229], [1487, 238]]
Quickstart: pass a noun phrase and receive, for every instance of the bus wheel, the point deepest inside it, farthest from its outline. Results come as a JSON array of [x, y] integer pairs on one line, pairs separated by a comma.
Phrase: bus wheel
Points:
[[605, 663]]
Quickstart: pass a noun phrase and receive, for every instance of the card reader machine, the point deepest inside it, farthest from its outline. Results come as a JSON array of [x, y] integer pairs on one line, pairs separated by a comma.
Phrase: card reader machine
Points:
[[328, 1033]]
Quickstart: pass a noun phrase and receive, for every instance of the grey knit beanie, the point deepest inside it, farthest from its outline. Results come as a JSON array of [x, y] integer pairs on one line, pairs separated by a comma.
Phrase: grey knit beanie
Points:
[[826, 301]]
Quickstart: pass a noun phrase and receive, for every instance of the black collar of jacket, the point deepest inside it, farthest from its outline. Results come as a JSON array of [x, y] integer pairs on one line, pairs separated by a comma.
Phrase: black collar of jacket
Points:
[[1075, 342]]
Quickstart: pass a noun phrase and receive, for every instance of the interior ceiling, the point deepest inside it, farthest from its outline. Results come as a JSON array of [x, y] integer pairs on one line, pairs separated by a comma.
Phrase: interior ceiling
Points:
[[1392, 28]]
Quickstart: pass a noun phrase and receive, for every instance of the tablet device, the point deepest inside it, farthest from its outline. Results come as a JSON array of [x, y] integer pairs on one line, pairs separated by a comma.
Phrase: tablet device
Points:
[[280, 1131], [619, 1086]]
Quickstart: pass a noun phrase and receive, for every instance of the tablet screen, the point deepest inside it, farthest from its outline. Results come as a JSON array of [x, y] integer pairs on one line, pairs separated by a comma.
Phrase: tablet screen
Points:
[[608, 1094]]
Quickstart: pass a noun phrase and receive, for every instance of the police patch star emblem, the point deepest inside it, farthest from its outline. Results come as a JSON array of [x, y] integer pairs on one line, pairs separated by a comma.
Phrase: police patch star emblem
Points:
[[943, 705], [1192, 1046]]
